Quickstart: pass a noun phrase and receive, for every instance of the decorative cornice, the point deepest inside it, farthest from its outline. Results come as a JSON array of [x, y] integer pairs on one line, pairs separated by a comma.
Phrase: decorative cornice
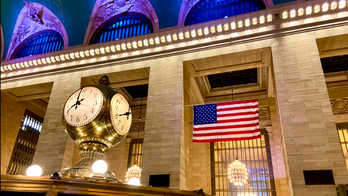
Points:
[[106, 9], [256, 26], [32, 19]]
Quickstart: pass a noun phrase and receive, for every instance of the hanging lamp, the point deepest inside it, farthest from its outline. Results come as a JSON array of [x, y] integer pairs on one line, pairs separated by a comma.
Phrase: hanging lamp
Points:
[[133, 174], [237, 171]]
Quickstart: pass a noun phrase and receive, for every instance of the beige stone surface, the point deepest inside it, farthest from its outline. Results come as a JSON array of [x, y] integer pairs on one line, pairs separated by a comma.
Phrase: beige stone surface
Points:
[[117, 159], [162, 152], [308, 127], [55, 148], [11, 117], [277, 146]]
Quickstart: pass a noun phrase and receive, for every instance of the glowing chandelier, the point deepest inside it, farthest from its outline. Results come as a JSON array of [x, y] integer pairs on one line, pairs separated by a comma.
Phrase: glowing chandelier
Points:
[[237, 171], [133, 174]]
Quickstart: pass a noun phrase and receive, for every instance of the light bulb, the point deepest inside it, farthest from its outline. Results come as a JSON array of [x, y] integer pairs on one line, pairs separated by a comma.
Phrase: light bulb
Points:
[[134, 181], [99, 167], [34, 170]]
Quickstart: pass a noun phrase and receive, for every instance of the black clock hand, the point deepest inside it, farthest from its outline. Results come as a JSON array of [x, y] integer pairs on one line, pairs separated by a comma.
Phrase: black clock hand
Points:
[[126, 114], [70, 108], [76, 104], [77, 100]]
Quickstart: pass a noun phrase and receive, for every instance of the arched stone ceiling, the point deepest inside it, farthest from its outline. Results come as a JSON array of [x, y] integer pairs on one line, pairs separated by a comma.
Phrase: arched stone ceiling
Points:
[[32, 19]]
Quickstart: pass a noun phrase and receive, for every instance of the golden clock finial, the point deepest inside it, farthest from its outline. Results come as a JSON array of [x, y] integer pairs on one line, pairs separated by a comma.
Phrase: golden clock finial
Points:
[[104, 80]]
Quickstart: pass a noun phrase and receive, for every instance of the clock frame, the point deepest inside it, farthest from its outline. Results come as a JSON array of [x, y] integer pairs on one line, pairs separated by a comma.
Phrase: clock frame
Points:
[[100, 129]]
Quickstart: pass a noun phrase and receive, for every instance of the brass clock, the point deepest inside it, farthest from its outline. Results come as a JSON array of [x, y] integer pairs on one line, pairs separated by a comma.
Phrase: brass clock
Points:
[[97, 113]]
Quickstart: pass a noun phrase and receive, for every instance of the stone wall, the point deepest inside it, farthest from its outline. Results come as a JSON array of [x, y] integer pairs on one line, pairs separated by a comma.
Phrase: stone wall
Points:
[[117, 159], [55, 148], [163, 127], [307, 123], [11, 117]]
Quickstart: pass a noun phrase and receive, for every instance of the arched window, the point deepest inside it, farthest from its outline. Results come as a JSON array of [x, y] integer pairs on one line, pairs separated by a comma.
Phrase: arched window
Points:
[[208, 10], [42, 43], [36, 31], [124, 27]]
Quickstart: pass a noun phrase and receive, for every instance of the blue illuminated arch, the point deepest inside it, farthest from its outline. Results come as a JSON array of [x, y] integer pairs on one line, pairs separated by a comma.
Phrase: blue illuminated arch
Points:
[[39, 43], [208, 10], [123, 27]]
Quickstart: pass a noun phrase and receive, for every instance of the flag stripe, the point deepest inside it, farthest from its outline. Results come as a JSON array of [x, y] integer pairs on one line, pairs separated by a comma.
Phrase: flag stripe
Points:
[[238, 114], [237, 108], [223, 130], [228, 125], [237, 117], [238, 120], [228, 121], [227, 136], [226, 133], [225, 139]]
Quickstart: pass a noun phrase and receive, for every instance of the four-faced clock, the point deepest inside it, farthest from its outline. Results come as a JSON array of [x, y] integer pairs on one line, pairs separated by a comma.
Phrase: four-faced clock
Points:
[[120, 114], [83, 106]]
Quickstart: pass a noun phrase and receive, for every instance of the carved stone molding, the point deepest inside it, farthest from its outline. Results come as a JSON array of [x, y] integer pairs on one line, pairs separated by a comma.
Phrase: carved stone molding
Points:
[[106, 9], [339, 105], [263, 113], [187, 5], [32, 19]]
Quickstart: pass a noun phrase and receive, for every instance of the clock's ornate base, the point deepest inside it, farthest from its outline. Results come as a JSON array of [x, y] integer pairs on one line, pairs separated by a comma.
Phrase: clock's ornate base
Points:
[[87, 173], [90, 152]]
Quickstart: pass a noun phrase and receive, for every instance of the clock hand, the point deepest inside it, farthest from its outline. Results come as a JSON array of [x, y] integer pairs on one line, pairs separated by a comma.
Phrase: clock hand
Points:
[[77, 100], [76, 104], [79, 103], [126, 114], [70, 108]]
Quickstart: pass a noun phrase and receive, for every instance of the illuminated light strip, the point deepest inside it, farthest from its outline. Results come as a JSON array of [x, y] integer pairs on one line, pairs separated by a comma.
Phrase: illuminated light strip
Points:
[[107, 49], [199, 32], [293, 13]]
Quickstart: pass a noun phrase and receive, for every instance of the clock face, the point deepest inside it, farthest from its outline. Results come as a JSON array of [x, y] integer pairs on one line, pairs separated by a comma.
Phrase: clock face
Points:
[[120, 114], [83, 106]]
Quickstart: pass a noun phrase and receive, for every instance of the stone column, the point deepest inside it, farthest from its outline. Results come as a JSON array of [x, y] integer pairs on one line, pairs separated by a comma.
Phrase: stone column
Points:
[[164, 146], [276, 145], [55, 148], [117, 159], [305, 115]]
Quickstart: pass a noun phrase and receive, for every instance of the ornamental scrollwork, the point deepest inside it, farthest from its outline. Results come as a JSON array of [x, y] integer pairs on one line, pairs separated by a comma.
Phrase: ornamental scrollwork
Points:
[[263, 113], [339, 105]]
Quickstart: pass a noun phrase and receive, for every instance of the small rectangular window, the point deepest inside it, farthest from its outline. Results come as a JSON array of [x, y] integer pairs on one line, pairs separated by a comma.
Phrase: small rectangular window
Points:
[[317, 177], [162, 180]]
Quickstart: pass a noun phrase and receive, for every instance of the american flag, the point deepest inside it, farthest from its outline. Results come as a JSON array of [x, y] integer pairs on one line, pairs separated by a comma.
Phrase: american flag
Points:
[[228, 121]]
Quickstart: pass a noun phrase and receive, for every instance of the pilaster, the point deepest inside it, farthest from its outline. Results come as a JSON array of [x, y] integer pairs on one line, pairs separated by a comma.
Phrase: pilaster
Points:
[[164, 152], [55, 148], [306, 119]]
